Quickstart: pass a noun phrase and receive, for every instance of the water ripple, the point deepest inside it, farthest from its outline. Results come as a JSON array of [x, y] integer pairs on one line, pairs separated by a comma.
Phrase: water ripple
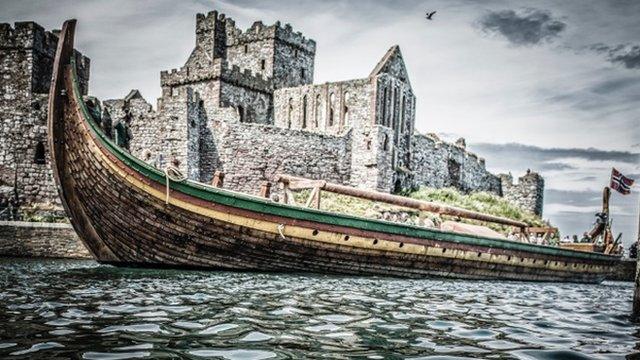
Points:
[[79, 309]]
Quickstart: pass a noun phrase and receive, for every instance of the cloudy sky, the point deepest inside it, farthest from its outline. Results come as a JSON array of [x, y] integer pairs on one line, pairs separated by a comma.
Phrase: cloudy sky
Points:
[[547, 85]]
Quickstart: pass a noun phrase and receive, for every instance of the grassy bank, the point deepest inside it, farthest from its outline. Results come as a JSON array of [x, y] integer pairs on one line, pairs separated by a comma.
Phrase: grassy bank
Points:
[[481, 202]]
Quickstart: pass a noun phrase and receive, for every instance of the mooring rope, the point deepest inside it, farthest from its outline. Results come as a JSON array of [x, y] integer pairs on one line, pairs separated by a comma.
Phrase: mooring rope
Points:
[[172, 173], [281, 231]]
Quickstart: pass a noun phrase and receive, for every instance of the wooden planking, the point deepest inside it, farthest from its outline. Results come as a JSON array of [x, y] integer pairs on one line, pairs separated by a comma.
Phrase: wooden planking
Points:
[[172, 253], [122, 199]]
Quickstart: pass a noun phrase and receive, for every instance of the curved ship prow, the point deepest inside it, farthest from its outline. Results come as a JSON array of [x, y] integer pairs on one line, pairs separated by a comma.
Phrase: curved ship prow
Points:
[[130, 213]]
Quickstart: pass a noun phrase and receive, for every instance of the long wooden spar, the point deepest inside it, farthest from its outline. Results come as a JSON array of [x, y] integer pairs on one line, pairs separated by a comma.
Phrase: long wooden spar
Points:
[[297, 182]]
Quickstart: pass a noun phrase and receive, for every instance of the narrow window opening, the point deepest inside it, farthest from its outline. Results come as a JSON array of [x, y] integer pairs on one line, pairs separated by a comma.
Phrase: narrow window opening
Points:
[[263, 64], [302, 74], [39, 157], [332, 98], [385, 142], [318, 111], [345, 108], [246, 49], [289, 113], [383, 121], [304, 112], [241, 113]]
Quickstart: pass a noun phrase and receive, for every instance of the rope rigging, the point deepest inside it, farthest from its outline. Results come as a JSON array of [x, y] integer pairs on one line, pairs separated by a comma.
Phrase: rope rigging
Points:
[[172, 173]]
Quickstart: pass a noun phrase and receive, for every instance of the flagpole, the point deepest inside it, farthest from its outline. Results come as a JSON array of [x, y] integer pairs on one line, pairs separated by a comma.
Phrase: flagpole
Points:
[[635, 316]]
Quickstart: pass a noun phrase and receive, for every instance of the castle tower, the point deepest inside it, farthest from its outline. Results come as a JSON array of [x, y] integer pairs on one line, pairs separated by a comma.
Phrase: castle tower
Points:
[[274, 52], [26, 63], [211, 37], [528, 193]]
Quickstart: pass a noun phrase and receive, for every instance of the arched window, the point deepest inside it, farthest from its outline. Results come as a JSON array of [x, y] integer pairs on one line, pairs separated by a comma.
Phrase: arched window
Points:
[[241, 113], [345, 107], [318, 111], [289, 113], [394, 116], [383, 121], [403, 112], [332, 98], [304, 112], [39, 157]]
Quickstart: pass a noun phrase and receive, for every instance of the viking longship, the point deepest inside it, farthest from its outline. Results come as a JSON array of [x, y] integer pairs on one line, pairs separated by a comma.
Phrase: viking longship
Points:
[[129, 213]]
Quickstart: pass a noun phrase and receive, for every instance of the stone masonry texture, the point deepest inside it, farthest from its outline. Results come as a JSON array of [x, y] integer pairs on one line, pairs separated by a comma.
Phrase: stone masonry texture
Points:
[[29, 239], [244, 103], [26, 61]]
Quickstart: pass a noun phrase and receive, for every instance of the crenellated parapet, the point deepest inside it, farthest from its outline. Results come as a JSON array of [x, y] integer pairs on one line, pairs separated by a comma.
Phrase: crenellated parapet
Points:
[[258, 31], [25, 35], [219, 70]]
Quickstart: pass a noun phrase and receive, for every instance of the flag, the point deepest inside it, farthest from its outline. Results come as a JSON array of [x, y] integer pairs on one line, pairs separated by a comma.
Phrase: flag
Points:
[[620, 183]]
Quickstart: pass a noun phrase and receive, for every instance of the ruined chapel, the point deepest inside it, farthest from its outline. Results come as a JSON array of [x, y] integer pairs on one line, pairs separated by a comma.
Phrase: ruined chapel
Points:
[[244, 103]]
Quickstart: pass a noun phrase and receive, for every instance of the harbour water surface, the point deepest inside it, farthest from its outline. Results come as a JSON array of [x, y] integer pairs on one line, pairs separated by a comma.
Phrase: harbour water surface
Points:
[[80, 309]]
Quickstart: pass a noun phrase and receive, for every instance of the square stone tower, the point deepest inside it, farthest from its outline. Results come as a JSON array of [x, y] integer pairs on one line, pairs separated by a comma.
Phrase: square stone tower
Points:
[[26, 63]]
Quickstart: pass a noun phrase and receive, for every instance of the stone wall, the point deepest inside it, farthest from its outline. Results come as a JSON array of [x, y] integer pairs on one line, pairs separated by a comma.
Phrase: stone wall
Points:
[[274, 51], [213, 112], [29, 239], [250, 154], [350, 103], [26, 61], [440, 164], [527, 193]]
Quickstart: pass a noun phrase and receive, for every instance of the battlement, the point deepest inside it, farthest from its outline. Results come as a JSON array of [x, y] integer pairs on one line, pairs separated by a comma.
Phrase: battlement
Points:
[[259, 31], [27, 34], [219, 69], [529, 178]]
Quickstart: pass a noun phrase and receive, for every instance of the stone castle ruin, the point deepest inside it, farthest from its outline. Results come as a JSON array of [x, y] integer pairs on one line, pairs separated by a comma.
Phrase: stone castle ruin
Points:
[[245, 104], [26, 63]]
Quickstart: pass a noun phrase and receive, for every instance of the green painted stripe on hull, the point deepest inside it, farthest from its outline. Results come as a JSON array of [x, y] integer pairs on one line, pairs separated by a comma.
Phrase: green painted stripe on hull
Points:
[[260, 205]]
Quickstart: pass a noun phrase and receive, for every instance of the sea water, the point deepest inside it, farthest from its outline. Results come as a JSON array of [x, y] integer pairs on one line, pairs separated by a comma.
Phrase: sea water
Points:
[[81, 309]]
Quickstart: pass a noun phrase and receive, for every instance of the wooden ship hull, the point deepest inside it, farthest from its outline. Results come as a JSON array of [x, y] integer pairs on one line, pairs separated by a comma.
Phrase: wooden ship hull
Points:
[[119, 207]]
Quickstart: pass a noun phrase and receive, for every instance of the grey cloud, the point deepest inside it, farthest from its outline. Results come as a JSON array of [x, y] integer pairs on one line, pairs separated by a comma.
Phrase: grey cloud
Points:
[[525, 28], [614, 85], [556, 166], [627, 55], [528, 153], [574, 198]]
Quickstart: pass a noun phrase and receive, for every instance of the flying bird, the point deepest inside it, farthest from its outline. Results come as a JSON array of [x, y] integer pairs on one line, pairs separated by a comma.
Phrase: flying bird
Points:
[[430, 15]]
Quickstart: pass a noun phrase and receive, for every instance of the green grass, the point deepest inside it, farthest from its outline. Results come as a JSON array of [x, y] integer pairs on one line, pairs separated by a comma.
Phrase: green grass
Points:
[[482, 202]]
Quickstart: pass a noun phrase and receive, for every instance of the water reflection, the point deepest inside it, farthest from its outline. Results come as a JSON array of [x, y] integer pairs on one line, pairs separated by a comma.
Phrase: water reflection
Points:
[[81, 309]]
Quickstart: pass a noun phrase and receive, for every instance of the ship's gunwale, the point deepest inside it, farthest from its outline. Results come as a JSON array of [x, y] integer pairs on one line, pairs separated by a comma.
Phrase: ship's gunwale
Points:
[[210, 195]]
